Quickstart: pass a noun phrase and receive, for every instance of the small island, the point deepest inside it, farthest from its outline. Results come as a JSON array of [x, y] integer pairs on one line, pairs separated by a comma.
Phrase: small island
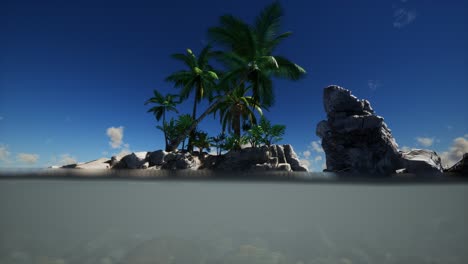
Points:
[[237, 93]]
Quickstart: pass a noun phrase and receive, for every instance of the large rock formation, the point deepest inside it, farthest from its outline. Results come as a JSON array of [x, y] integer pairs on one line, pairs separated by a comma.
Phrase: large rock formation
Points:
[[461, 167], [355, 139]]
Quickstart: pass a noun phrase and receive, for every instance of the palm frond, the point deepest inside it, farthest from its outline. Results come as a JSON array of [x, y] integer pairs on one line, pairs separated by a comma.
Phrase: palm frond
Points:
[[188, 59], [267, 23], [288, 69]]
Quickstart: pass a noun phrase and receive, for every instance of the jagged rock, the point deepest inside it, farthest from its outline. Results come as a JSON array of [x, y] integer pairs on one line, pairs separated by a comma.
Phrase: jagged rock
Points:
[[178, 161], [421, 161], [156, 158], [273, 161], [292, 159], [244, 159], [278, 151], [461, 167], [132, 161], [353, 137], [102, 163], [356, 140]]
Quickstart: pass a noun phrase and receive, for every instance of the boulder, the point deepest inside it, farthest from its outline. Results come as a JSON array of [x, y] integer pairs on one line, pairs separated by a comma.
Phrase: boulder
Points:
[[353, 137], [132, 161], [178, 161], [421, 161], [292, 159], [461, 167], [156, 158]]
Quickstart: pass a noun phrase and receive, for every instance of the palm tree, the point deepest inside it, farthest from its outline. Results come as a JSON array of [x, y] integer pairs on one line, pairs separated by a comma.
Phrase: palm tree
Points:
[[164, 104], [199, 77], [237, 107], [202, 141], [248, 52], [248, 56], [183, 123]]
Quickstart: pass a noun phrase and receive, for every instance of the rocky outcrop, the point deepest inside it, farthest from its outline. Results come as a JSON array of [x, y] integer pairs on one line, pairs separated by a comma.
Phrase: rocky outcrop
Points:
[[179, 161], [136, 160], [421, 161], [355, 139], [275, 157], [292, 159], [461, 167]]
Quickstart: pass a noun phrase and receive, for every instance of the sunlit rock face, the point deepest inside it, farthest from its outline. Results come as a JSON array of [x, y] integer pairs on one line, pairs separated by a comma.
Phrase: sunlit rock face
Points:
[[355, 139]]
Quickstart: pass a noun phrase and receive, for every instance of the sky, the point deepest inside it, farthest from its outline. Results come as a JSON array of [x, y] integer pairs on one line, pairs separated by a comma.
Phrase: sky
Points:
[[74, 75]]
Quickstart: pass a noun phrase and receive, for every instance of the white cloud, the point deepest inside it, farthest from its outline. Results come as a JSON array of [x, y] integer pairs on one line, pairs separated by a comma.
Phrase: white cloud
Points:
[[405, 149], [306, 163], [4, 153], [306, 154], [456, 151], [66, 159], [318, 158], [373, 84], [27, 158], [403, 17], [116, 135], [315, 146], [425, 141]]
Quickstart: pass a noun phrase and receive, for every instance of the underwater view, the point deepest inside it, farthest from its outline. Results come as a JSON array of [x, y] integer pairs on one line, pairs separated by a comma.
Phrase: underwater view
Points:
[[101, 221]]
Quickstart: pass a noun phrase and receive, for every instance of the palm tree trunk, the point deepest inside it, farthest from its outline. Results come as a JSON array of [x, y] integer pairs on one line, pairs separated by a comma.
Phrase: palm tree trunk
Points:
[[164, 131], [237, 125], [194, 115]]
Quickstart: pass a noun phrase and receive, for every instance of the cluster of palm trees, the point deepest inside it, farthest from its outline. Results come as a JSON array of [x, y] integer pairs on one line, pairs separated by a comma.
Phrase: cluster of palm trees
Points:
[[239, 91]]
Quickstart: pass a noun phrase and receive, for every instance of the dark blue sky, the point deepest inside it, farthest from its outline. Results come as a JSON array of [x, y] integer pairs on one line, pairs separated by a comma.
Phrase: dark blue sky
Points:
[[69, 70]]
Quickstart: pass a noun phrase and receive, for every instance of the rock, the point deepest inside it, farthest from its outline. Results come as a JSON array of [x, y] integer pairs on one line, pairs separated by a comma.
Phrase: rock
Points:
[[353, 137], [132, 161], [156, 158], [421, 161], [145, 165], [461, 167], [69, 166], [292, 159], [114, 161], [261, 167], [273, 161], [102, 163], [278, 151], [242, 160], [283, 167], [178, 161]]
